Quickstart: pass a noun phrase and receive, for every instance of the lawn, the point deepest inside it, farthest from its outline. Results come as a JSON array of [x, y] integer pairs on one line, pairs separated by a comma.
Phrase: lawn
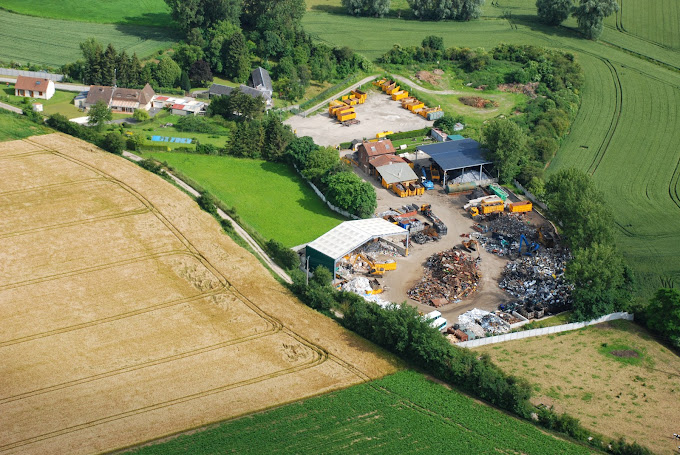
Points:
[[627, 132], [402, 413], [270, 197], [15, 126], [613, 377], [155, 127], [130, 12], [60, 103], [56, 42]]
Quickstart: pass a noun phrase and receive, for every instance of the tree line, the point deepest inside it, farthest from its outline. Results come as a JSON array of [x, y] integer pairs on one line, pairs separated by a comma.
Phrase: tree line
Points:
[[431, 10], [589, 14]]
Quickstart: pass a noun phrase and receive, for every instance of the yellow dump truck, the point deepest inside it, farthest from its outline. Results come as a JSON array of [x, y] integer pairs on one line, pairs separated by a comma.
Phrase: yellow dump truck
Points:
[[383, 134], [490, 207]]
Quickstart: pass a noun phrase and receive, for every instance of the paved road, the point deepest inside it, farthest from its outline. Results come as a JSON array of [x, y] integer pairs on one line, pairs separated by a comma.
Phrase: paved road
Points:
[[347, 90], [57, 85], [10, 108], [239, 230], [423, 89]]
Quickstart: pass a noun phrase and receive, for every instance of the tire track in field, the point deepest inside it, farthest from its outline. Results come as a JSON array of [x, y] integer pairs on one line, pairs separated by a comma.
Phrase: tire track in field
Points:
[[50, 186], [117, 317], [316, 360], [94, 268], [613, 123], [134, 212], [673, 185], [159, 361]]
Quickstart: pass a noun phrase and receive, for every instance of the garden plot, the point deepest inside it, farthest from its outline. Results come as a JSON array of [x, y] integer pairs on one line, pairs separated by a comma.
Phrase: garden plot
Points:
[[128, 315]]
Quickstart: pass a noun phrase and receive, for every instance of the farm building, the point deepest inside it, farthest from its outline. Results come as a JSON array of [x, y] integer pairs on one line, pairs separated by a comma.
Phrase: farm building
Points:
[[192, 107], [34, 87], [395, 173], [369, 150], [340, 241], [456, 157], [120, 99], [438, 135], [261, 85], [454, 137]]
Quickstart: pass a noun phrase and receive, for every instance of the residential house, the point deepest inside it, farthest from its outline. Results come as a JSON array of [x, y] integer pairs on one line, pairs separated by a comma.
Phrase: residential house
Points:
[[34, 87], [369, 150], [191, 107], [260, 85], [120, 99]]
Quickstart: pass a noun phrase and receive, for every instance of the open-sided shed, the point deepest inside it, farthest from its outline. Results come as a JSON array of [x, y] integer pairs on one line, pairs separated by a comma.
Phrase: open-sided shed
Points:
[[396, 173], [328, 249], [456, 155]]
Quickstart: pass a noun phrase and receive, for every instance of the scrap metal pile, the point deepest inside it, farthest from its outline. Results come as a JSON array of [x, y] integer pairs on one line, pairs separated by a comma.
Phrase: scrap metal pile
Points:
[[538, 282], [450, 275], [506, 231], [420, 231], [489, 322]]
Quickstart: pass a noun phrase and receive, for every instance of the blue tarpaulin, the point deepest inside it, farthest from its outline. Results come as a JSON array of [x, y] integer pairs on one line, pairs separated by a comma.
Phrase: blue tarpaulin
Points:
[[177, 140]]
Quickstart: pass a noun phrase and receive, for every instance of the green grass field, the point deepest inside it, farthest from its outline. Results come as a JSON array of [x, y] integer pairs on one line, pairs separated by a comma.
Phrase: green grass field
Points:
[[270, 197], [655, 21], [60, 103], [402, 413], [15, 126], [54, 42], [627, 133], [130, 12]]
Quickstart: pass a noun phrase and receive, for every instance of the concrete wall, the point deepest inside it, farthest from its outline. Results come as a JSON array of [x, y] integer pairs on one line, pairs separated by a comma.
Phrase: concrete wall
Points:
[[530, 196], [543, 331], [342, 212], [43, 74]]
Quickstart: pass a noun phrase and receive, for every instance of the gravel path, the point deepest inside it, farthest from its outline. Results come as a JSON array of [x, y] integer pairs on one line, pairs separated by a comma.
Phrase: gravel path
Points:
[[239, 230], [11, 108], [415, 85]]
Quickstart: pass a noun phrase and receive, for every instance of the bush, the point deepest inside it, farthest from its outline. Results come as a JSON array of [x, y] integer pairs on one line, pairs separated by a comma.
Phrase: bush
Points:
[[207, 202], [151, 166], [140, 115], [207, 149], [285, 257], [194, 124], [113, 143]]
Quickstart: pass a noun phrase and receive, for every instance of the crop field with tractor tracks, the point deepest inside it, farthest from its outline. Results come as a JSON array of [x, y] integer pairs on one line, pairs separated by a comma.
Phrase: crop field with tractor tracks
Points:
[[129, 315]]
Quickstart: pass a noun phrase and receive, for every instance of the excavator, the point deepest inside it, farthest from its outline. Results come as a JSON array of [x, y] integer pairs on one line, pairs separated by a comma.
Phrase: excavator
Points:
[[376, 268]]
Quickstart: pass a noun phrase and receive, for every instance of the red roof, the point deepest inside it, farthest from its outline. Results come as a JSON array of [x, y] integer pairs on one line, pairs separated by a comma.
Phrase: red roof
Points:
[[178, 106], [32, 83], [378, 148], [382, 160], [161, 98]]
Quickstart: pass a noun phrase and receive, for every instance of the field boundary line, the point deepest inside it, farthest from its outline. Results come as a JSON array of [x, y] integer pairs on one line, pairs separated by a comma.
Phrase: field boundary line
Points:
[[134, 212], [165, 404], [11, 156], [616, 116], [159, 361]]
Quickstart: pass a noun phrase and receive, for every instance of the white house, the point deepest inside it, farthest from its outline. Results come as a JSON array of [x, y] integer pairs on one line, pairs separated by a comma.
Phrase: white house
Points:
[[34, 87], [120, 99]]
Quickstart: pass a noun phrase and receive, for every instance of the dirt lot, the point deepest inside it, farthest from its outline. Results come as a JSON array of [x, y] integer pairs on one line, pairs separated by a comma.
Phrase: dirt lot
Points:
[[635, 397], [410, 269], [379, 113], [128, 315]]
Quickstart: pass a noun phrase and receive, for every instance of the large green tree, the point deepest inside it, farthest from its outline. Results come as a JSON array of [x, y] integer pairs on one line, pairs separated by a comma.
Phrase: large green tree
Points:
[[202, 14], [663, 314], [376, 8], [168, 72], [507, 146], [299, 149], [553, 12], [93, 54], [319, 162], [579, 208], [237, 58], [597, 273], [590, 14], [436, 10], [350, 192], [277, 136], [99, 114]]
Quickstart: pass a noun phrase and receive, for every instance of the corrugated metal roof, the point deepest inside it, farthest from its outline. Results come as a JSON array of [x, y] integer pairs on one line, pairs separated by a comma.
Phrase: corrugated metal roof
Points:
[[451, 155], [350, 235], [396, 172]]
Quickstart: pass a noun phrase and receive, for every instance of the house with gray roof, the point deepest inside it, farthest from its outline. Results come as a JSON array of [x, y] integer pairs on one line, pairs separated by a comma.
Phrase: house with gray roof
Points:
[[260, 85]]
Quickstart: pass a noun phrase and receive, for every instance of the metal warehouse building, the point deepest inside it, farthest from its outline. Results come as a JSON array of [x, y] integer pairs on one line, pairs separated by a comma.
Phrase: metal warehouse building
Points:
[[456, 155], [328, 249]]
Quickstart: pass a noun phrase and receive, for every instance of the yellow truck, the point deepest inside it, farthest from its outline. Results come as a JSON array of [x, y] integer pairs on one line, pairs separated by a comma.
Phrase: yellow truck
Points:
[[520, 207]]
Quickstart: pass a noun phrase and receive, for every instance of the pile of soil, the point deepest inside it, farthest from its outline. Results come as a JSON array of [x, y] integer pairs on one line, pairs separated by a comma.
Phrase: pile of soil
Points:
[[477, 101], [525, 89], [626, 353], [432, 78]]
